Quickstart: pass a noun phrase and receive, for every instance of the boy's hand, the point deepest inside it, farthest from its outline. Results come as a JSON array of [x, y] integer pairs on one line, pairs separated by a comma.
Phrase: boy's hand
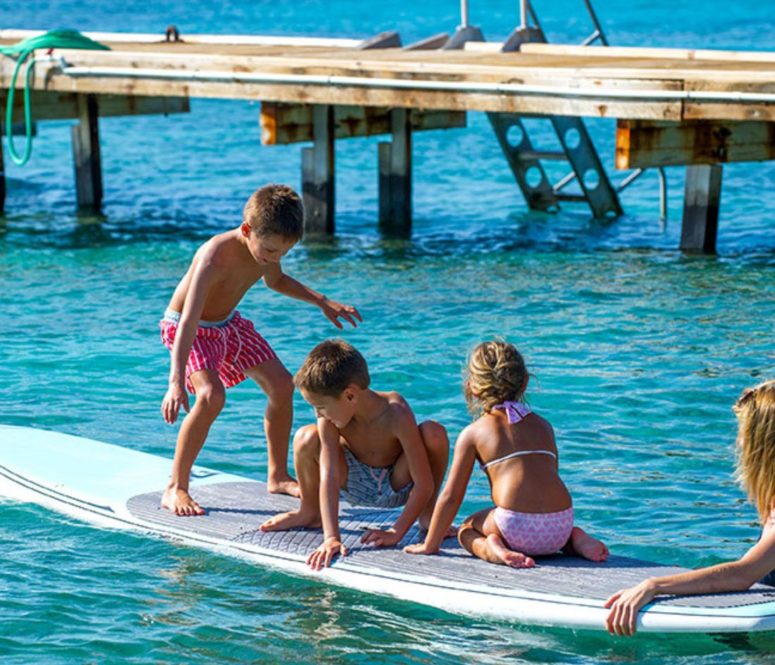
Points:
[[387, 538], [175, 398], [420, 548], [334, 310], [322, 556]]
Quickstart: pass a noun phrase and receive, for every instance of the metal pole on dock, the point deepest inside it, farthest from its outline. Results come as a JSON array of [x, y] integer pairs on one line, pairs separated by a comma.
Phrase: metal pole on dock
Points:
[[465, 31], [524, 8], [86, 154], [463, 13]]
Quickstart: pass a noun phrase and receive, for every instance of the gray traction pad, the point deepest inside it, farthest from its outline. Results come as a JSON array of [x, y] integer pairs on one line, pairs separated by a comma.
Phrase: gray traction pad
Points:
[[236, 509]]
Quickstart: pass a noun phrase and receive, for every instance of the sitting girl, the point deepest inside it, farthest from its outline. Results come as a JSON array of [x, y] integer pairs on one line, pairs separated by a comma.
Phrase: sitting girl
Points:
[[755, 412], [533, 513]]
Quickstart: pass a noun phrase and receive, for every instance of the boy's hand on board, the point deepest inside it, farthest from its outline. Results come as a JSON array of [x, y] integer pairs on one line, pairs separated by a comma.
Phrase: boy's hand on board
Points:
[[378, 538], [323, 555], [335, 310], [175, 398]]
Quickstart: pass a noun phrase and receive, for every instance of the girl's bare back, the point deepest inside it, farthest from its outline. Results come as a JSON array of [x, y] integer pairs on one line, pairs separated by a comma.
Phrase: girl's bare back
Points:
[[522, 463]]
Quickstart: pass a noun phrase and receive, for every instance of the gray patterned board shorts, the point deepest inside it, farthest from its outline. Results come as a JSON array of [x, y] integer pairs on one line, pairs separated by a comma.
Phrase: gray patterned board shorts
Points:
[[370, 485]]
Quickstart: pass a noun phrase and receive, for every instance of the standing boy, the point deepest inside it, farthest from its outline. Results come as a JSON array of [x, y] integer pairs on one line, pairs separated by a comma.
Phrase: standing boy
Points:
[[366, 444], [213, 347]]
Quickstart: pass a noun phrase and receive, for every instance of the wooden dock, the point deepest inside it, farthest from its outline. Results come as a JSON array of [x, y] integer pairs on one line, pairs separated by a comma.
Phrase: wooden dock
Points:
[[673, 107]]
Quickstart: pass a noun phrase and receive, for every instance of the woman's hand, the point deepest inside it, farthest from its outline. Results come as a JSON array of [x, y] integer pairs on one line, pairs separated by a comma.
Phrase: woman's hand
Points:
[[625, 605]]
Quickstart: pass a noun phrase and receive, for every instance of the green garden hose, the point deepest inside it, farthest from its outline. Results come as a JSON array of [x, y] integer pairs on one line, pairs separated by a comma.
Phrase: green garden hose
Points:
[[23, 51]]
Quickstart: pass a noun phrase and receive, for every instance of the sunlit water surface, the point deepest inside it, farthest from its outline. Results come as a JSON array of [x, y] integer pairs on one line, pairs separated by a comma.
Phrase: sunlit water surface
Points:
[[637, 351]]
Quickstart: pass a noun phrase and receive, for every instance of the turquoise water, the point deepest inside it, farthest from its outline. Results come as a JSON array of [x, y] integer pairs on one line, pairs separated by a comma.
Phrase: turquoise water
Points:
[[637, 351]]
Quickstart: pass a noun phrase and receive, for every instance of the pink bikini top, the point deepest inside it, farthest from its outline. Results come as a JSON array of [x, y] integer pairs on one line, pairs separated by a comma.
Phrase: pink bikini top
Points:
[[515, 411]]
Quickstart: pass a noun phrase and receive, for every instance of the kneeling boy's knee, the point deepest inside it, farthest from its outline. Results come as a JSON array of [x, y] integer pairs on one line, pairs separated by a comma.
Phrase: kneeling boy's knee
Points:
[[434, 435], [306, 440]]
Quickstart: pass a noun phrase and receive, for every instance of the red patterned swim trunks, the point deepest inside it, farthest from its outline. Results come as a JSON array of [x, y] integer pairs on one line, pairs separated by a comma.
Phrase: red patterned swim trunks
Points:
[[228, 347]]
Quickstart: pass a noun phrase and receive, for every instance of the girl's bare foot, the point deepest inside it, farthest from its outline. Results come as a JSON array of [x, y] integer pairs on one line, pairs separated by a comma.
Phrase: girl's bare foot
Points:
[[292, 520], [507, 556], [180, 502], [584, 545], [286, 485]]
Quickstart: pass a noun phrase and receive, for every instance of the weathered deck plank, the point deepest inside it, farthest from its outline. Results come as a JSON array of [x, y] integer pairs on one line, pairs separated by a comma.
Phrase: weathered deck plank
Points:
[[627, 83]]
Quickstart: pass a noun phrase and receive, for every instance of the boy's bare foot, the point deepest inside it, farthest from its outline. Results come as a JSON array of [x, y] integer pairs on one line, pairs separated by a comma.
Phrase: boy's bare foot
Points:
[[286, 485], [292, 520], [584, 545], [180, 502], [509, 557]]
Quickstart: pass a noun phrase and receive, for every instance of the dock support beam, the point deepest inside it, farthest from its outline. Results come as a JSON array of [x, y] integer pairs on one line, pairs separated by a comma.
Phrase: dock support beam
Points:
[[317, 173], [395, 176], [2, 173], [86, 154], [702, 197]]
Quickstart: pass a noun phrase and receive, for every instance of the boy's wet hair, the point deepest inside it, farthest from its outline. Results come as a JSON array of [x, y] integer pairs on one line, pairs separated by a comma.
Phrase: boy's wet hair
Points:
[[496, 373], [755, 411], [275, 210], [332, 366]]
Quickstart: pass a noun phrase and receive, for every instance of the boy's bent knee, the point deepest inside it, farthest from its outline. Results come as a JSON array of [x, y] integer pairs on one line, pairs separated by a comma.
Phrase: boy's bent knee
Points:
[[306, 440], [211, 398], [434, 434]]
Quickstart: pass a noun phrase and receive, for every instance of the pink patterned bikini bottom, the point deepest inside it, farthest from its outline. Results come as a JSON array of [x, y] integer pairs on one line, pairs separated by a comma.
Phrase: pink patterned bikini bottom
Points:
[[534, 534]]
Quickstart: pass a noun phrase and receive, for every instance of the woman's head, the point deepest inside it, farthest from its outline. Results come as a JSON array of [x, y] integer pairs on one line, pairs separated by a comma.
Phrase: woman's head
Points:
[[755, 412], [496, 373]]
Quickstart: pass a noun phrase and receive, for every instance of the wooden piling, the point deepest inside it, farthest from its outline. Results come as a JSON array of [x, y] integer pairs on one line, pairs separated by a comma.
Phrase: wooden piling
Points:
[[395, 176], [317, 166], [86, 154], [2, 173], [702, 198]]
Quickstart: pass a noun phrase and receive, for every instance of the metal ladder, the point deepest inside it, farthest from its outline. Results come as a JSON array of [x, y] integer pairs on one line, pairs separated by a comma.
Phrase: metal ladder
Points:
[[578, 150]]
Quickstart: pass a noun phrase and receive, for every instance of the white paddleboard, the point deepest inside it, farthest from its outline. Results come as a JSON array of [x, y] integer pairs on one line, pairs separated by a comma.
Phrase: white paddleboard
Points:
[[115, 487]]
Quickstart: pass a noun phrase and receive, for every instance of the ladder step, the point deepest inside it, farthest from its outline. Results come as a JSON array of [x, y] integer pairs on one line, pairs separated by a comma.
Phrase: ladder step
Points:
[[578, 198], [542, 154]]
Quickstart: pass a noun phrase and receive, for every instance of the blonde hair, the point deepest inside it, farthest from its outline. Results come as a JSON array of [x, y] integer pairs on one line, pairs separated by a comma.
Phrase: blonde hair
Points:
[[275, 210], [332, 366], [495, 373], [755, 411]]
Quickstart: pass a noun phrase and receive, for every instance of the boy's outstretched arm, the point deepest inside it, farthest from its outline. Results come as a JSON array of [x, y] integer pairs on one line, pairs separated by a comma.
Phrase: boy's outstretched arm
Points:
[[176, 396], [407, 432], [278, 281], [329, 498], [450, 497]]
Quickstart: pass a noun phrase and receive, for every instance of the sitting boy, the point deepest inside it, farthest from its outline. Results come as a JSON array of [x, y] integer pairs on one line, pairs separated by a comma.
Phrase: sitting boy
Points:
[[366, 444]]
